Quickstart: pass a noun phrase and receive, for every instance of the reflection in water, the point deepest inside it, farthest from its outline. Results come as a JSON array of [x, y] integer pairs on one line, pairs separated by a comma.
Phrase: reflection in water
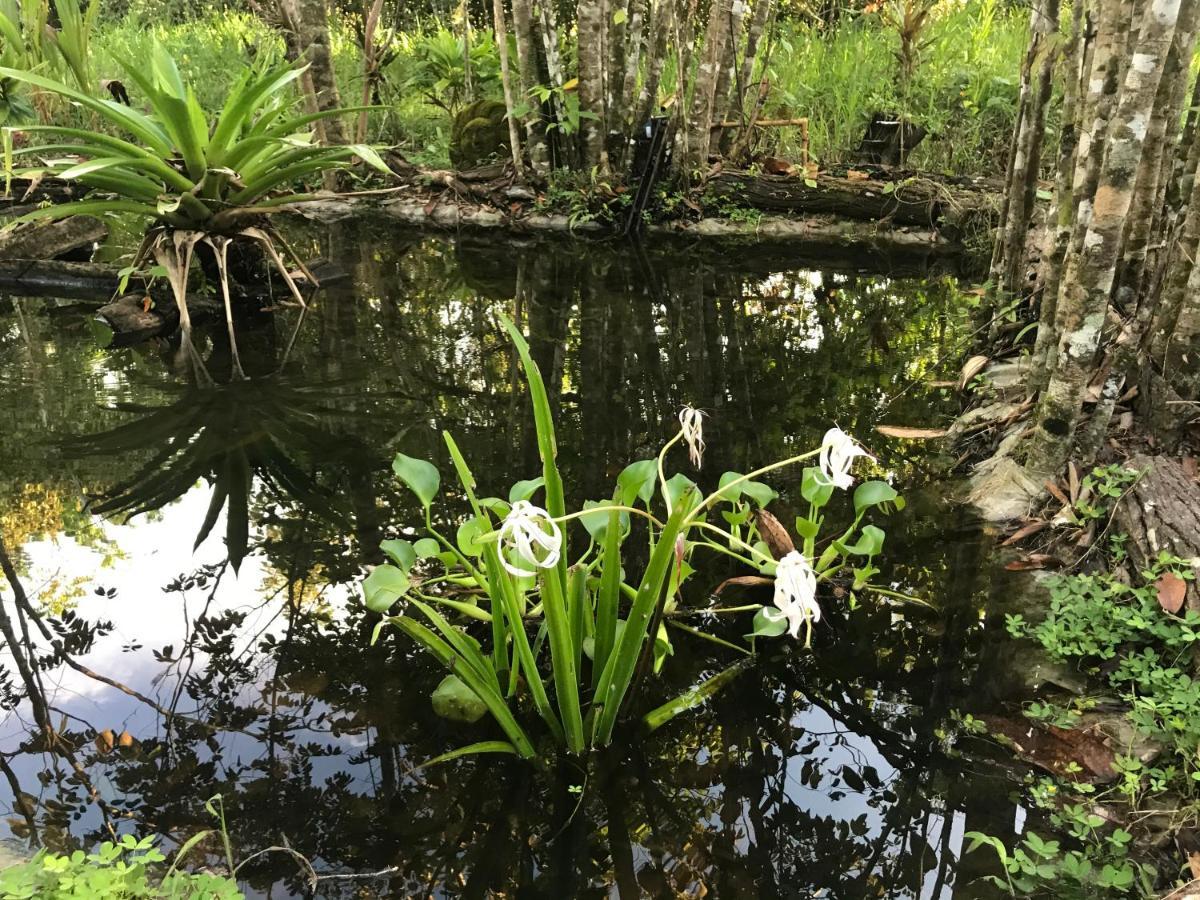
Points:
[[246, 667]]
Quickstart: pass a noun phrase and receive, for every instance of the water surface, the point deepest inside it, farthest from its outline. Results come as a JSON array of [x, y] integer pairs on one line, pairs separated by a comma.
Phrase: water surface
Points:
[[839, 772]]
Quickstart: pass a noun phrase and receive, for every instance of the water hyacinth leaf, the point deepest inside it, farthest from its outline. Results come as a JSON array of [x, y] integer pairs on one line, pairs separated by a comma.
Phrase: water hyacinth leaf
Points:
[[769, 622], [421, 477], [678, 485], [453, 700], [596, 523], [807, 528], [875, 493], [469, 533], [814, 487], [524, 490], [760, 493], [736, 517], [495, 505], [384, 586], [401, 552], [637, 481], [426, 548], [727, 489]]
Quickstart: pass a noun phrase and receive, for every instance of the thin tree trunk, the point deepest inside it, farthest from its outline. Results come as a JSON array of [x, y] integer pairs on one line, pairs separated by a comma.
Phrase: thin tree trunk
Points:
[[527, 60], [728, 68], [370, 67], [1083, 302], [1164, 123], [468, 69], [627, 96], [500, 25], [1058, 239], [656, 57], [699, 126], [684, 18], [1181, 266], [758, 24], [314, 38], [591, 82]]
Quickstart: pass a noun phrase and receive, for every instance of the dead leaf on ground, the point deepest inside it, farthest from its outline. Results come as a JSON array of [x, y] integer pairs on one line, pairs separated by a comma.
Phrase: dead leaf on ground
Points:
[[778, 541], [915, 434], [1023, 532], [970, 369], [1171, 592], [855, 175], [1057, 493], [1194, 864], [1034, 561], [1055, 749], [1189, 466], [1073, 481], [742, 581], [773, 165]]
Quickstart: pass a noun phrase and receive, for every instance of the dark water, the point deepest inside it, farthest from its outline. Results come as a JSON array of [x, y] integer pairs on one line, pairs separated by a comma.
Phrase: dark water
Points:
[[839, 772]]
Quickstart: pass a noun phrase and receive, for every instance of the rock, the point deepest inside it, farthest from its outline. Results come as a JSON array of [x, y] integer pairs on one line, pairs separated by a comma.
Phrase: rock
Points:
[[1002, 490], [520, 192], [479, 134], [1009, 375]]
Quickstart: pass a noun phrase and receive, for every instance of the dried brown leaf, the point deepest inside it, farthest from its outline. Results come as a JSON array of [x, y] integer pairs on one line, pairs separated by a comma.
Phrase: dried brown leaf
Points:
[[1171, 592], [1023, 532], [915, 434], [970, 369], [105, 741], [1057, 493], [1034, 561], [778, 541], [1073, 481], [742, 581], [855, 175]]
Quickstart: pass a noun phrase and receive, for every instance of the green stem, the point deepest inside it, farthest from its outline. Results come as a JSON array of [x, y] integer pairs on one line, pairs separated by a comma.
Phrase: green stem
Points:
[[716, 495]]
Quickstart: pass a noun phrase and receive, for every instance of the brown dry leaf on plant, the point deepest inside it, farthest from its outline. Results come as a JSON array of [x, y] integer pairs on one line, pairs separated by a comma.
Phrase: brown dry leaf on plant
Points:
[[1171, 592], [915, 434], [777, 539]]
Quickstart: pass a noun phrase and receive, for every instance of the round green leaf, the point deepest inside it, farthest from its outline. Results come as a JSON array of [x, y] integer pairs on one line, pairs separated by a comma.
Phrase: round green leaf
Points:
[[453, 700], [768, 622], [814, 487], [469, 533], [383, 587], [400, 552], [426, 548], [760, 493], [636, 481], [420, 476], [523, 490], [597, 523], [873, 493]]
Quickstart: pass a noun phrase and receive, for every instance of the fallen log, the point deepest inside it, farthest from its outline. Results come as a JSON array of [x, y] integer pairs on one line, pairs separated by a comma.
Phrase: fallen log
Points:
[[131, 320], [952, 205], [1161, 512], [50, 240]]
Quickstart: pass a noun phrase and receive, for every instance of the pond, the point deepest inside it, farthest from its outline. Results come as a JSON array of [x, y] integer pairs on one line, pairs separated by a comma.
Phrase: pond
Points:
[[203, 547]]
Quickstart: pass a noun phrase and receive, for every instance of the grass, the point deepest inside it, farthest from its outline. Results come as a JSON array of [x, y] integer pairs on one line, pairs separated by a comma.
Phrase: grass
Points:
[[964, 91]]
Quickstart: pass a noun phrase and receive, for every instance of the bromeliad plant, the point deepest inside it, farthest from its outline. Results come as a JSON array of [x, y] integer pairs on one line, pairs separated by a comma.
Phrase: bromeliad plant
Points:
[[194, 178], [508, 567]]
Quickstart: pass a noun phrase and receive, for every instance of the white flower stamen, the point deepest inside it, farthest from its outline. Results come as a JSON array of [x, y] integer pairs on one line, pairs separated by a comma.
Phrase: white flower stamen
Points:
[[691, 423], [796, 591], [838, 452], [524, 530]]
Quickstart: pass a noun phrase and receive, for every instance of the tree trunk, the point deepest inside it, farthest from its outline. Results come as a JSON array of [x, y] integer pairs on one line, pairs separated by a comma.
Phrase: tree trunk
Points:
[[527, 60], [591, 83], [313, 19], [699, 123], [370, 67], [627, 97], [1164, 124], [656, 56], [725, 77], [1083, 301], [1177, 279], [741, 87], [501, 28], [1059, 238]]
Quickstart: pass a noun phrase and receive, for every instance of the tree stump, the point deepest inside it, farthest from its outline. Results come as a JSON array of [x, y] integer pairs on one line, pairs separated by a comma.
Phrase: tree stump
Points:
[[1162, 512]]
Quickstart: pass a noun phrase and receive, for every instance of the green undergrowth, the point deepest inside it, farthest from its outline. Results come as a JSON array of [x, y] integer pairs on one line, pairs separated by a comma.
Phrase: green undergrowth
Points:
[[1127, 631]]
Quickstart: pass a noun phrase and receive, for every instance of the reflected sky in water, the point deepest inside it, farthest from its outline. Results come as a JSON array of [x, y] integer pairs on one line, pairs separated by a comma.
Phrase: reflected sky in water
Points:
[[835, 773]]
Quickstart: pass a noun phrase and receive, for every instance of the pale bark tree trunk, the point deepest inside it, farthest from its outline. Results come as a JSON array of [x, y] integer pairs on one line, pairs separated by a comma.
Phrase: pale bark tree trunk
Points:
[[758, 24], [1181, 270], [1083, 301], [468, 73], [1164, 124], [628, 98], [527, 60], [656, 57], [684, 19], [725, 78], [313, 19], [370, 67], [1059, 238], [591, 83], [704, 89], [500, 25]]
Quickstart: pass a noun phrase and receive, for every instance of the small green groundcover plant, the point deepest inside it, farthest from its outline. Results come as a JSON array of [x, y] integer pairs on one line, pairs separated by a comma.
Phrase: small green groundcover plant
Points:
[[122, 870], [603, 618]]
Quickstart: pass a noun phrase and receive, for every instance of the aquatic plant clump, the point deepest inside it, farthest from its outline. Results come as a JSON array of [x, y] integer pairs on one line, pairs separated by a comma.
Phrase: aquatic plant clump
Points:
[[604, 622]]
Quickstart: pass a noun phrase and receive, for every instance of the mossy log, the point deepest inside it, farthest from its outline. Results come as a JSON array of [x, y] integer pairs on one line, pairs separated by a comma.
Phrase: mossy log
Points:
[[51, 240], [954, 205], [1162, 512]]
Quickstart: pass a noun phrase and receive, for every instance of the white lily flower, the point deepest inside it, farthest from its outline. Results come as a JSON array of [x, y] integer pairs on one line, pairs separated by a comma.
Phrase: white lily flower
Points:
[[524, 529], [796, 591], [838, 451], [691, 423]]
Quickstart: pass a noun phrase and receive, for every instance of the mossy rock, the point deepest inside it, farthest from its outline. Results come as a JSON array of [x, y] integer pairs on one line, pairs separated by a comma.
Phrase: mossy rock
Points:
[[479, 134]]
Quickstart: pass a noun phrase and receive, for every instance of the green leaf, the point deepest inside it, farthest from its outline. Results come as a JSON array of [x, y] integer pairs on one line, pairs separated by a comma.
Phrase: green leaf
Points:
[[523, 490], [469, 533], [469, 750], [383, 587], [420, 476], [620, 17], [597, 523], [730, 493], [453, 700], [874, 493], [677, 485], [810, 182], [806, 528], [814, 487], [636, 482], [427, 548], [769, 622], [662, 647], [400, 552], [760, 493]]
